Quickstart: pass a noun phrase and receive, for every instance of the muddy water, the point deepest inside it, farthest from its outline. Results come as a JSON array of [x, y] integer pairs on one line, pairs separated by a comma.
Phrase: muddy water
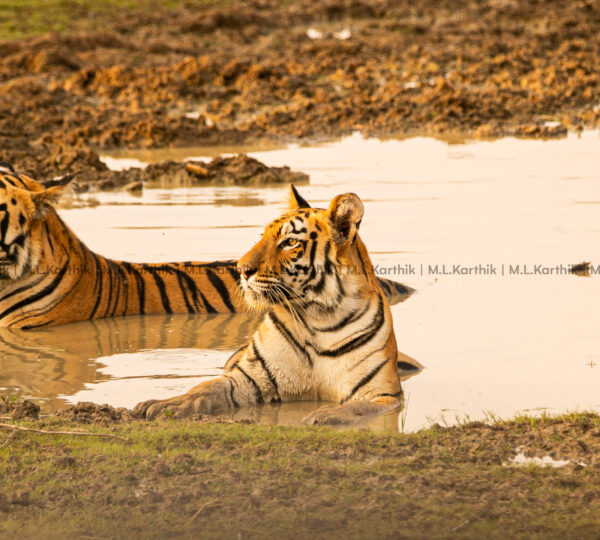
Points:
[[517, 340]]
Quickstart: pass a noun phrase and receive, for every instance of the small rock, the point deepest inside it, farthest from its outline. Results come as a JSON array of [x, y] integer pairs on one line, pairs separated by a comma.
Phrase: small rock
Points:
[[196, 169]]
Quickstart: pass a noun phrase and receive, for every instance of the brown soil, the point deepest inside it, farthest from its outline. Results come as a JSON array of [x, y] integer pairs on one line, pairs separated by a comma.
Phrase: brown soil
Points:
[[91, 413], [86, 412], [487, 69], [237, 170]]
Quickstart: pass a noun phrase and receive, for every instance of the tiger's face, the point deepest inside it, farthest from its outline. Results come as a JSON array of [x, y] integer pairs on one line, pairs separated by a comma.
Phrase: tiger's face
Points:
[[24, 205], [304, 257]]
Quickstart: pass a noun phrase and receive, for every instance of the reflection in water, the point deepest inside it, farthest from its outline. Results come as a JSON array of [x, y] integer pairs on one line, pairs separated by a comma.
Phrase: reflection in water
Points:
[[127, 359], [61, 361], [291, 414]]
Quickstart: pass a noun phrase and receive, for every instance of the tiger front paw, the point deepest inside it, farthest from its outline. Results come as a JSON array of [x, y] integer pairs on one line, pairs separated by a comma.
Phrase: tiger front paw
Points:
[[209, 397], [177, 407]]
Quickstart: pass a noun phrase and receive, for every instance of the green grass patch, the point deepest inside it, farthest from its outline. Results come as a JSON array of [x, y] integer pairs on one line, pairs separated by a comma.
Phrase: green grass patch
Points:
[[27, 18], [191, 479]]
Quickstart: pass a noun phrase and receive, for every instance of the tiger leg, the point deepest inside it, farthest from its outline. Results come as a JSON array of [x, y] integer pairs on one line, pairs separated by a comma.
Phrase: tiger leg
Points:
[[209, 397], [353, 411]]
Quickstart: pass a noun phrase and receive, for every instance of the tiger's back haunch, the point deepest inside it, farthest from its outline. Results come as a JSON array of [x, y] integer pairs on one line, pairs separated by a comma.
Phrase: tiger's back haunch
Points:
[[327, 333], [49, 277]]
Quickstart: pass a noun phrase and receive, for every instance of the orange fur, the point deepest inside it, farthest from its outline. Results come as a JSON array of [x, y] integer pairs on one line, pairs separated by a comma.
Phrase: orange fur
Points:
[[327, 333], [49, 277]]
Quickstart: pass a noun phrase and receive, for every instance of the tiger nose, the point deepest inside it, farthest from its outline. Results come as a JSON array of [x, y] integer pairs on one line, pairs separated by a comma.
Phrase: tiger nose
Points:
[[247, 272]]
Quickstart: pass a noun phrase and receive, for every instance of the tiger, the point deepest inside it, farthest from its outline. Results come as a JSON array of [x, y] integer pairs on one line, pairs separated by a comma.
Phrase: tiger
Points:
[[49, 277], [327, 332]]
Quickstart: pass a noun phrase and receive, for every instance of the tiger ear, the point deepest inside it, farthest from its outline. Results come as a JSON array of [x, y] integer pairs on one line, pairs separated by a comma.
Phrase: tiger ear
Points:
[[296, 200], [344, 216], [46, 199]]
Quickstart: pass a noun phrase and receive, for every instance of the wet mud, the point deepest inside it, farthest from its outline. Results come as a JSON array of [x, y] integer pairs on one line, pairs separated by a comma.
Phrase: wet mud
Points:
[[307, 70]]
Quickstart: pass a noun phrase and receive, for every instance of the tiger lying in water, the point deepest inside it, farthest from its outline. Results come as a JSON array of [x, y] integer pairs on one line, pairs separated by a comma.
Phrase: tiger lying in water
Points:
[[49, 277], [327, 333]]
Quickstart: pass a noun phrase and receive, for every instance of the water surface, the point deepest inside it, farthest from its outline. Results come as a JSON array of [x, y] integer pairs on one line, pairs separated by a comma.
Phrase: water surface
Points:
[[503, 343]]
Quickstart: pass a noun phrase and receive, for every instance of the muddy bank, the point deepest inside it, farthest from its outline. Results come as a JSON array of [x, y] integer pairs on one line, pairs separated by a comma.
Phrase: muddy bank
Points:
[[153, 76], [239, 170]]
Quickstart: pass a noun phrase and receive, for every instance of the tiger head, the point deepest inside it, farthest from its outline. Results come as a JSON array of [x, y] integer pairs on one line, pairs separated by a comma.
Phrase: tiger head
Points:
[[24, 205], [309, 257]]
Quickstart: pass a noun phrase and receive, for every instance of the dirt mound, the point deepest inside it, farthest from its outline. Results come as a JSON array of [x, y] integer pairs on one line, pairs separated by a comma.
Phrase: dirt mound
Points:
[[301, 70], [237, 170], [91, 413], [19, 409]]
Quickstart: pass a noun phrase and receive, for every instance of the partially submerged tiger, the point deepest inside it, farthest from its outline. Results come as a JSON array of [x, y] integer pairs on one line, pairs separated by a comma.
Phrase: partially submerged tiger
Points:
[[327, 333], [49, 277]]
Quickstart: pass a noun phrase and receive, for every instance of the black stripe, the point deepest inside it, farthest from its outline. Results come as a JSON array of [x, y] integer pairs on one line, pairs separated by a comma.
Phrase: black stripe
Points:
[[109, 294], [4, 222], [193, 288], [388, 395], [311, 264], [160, 284], [328, 267], [235, 403], [49, 237], [405, 366], [8, 179], [352, 317], [188, 306], [114, 276], [232, 357], [340, 285], [24, 288], [233, 272], [32, 326], [124, 285], [141, 286], [365, 380], [400, 287], [19, 240], [385, 286], [263, 363], [288, 335], [46, 291], [362, 262], [207, 305], [371, 353], [50, 306], [19, 181], [257, 391], [97, 283], [368, 333], [218, 284]]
